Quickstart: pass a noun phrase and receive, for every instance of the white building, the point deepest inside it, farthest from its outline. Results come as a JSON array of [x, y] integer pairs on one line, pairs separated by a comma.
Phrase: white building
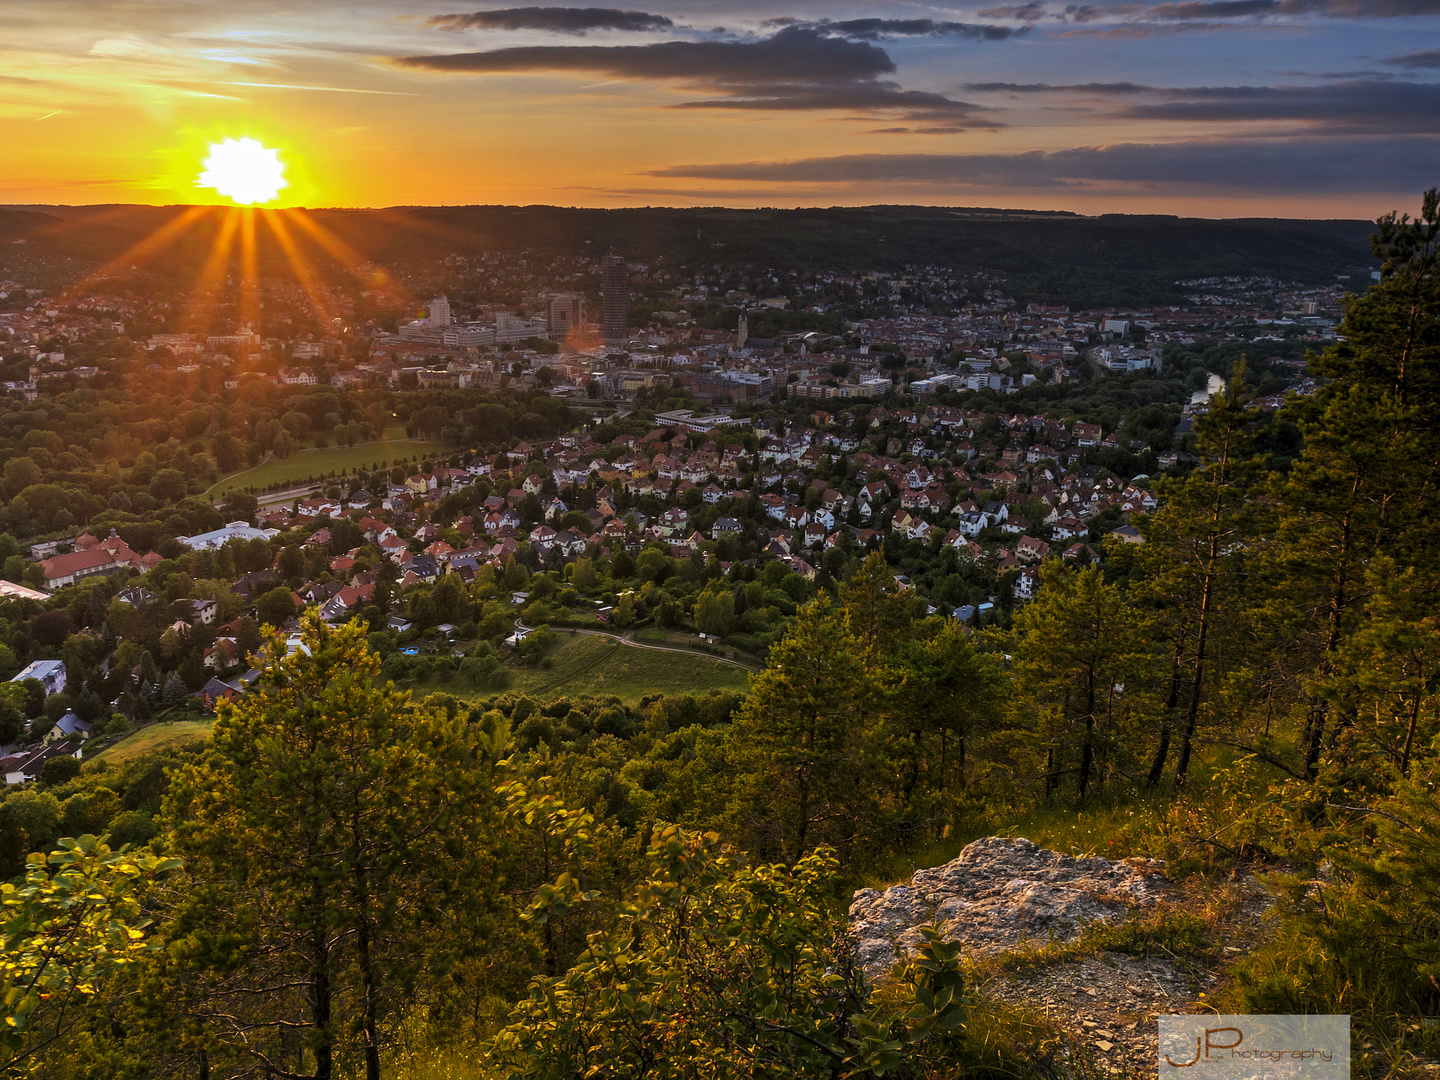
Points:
[[218, 538], [440, 311], [51, 674]]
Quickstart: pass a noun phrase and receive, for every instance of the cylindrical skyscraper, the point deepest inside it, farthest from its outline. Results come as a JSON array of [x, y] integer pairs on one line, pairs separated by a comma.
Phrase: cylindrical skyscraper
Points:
[[614, 301]]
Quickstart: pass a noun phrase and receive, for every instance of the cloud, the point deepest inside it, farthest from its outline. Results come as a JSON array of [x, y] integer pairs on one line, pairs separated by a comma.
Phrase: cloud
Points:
[[796, 68], [1186, 15], [1302, 166], [1359, 105], [560, 20], [1335, 9], [1427, 59], [1045, 88], [1356, 105], [880, 29]]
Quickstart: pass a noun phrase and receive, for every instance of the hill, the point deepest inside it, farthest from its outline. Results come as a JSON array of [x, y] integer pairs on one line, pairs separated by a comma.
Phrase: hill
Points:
[[1043, 257]]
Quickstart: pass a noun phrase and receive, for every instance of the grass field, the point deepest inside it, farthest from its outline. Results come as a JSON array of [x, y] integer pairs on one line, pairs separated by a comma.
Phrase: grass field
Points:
[[156, 736], [593, 664], [339, 459]]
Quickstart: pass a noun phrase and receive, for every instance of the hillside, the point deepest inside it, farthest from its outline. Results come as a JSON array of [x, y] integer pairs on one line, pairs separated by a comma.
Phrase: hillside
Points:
[[1114, 259]]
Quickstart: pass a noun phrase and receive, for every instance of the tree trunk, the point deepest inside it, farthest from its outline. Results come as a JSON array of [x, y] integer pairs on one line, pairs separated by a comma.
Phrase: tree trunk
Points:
[[367, 980], [1162, 752], [320, 1005]]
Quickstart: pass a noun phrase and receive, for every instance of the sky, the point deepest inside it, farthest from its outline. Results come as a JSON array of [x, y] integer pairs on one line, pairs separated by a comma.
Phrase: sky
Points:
[[1230, 108]]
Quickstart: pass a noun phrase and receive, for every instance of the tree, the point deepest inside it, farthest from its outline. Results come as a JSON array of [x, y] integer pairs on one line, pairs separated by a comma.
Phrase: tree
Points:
[[347, 823], [1193, 560], [174, 694], [800, 739], [1078, 648], [946, 690], [74, 922], [275, 607], [715, 611], [60, 770], [721, 969], [879, 612], [1363, 484]]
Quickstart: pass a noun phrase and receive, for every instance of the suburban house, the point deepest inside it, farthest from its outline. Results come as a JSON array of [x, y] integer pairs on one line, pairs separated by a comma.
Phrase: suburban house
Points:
[[51, 674]]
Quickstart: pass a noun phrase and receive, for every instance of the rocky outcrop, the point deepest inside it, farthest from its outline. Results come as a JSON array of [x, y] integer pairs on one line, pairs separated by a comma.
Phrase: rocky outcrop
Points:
[[999, 893]]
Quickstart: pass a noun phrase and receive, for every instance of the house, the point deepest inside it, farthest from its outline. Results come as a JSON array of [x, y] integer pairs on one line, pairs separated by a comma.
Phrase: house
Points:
[[1031, 550], [972, 523], [215, 691], [1128, 534], [725, 525], [51, 674], [69, 726], [1027, 583], [26, 765]]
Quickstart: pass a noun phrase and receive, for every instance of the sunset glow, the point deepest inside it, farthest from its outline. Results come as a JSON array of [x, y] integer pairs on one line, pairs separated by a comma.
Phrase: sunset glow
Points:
[[1319, 109]]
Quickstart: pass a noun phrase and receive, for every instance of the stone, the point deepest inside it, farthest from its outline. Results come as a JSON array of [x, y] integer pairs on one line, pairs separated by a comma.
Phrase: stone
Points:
[[999, 893]]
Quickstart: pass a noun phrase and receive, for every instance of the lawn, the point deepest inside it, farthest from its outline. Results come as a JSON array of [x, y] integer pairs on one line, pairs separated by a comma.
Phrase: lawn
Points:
[[338, 459], [594, 664], [157, 736]]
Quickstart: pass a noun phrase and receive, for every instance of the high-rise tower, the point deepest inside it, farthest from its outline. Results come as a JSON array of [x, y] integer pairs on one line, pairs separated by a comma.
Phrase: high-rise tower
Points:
[[440, 311], [614, 300]]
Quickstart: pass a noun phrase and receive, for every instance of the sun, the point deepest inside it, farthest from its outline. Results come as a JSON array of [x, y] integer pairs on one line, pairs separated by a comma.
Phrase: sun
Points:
[[244, 171]]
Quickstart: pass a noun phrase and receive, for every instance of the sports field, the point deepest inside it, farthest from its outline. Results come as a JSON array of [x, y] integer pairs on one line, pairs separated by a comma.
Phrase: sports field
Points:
[[338, 459]]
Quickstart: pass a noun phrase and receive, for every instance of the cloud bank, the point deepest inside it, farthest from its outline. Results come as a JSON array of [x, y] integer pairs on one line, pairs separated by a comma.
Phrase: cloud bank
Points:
[[559, 20], [796, 68], [1299, 166]]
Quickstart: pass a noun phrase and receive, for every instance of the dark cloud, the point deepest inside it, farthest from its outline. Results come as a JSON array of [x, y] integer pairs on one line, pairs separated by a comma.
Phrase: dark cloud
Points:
[[1036, 10], [1302, 166], [1357, 104], [1198, 14], [1336, 9], [880, 29], [1427, 59], [562, 20], [797, 68], [1048, 88], [1372, 106]]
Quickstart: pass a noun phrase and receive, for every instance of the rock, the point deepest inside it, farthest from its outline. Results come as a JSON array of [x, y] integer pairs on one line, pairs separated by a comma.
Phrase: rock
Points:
[[999, 893]]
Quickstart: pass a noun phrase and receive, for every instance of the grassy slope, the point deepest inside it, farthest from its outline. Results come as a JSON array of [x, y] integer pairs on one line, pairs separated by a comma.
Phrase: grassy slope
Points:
[[156, 736], [592, 664], [305, 463]]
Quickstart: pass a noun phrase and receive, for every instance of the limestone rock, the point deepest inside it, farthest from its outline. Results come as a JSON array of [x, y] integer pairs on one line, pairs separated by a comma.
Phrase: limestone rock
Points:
[[999, 893]]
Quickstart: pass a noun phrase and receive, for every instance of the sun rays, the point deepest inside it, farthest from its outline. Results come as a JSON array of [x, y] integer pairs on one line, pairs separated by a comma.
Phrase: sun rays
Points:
[[241, 251]]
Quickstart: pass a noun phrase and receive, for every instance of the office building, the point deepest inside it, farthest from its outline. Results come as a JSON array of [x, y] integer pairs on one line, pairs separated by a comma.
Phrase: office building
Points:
[[562, 315], [614, 301], [440, 311]]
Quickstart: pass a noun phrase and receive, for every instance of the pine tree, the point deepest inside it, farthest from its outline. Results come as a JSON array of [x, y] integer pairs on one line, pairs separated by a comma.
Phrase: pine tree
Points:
[[799, 740], [335, 831], [1193, 561], [1078, 649]]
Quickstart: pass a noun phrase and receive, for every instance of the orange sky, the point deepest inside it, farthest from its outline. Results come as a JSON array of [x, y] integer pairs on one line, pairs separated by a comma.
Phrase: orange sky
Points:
[[1176, 108]]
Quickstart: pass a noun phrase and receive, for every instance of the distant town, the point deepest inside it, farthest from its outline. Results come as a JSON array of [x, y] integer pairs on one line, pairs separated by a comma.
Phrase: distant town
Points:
[[653, 442]]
